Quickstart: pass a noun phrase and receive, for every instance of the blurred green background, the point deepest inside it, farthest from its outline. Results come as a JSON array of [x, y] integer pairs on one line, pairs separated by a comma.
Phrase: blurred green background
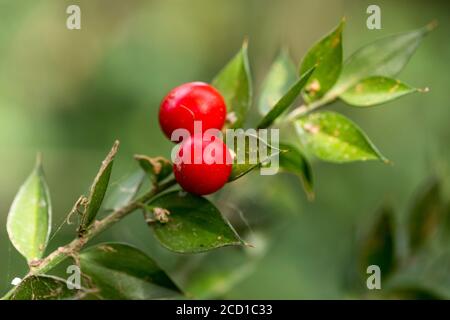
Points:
[[69, 94]]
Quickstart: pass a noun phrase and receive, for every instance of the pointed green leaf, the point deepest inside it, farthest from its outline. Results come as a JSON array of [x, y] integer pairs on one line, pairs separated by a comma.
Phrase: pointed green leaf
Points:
[[332, 137], [295, 162], [29, 219], [120, 271], [426, 215], [122, 192], [281, 76], [44, 287], [385, 57], [249, 151], [285, 102], [194, 224], [157, 168], [326, 55], [375, 90], [377, 246], [234, 83], [98, 189]]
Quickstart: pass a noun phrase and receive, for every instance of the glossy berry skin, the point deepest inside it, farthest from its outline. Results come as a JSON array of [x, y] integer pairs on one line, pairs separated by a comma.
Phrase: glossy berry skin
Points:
[[206, 176], [193, 101]]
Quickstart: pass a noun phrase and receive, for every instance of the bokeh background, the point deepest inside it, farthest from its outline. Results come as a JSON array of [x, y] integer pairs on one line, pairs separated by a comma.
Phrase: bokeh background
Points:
[[69, 94]]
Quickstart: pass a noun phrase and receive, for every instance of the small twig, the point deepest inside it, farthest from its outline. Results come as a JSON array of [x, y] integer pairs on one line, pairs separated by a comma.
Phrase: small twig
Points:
[[74, 247], [297, 112], [305, 109], [82, 201]]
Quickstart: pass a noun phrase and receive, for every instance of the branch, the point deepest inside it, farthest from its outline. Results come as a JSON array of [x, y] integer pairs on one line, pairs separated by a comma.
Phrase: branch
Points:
[[71, 249]]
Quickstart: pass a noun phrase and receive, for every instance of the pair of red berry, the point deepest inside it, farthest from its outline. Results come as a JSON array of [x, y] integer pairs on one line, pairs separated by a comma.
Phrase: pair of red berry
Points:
[[197, 101]]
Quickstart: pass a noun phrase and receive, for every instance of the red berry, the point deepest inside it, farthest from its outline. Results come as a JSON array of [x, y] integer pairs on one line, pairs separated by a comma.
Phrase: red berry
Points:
[[193, 101], [203, 171]]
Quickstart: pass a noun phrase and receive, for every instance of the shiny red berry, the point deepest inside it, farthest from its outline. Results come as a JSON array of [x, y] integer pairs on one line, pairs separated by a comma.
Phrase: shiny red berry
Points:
[[193, 101], [202, 167]]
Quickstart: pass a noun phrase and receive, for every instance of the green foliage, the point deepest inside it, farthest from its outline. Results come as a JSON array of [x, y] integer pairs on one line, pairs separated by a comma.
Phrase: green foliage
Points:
[[285, 101], [119, 271], [427, 215], [98, 190], [29, 219], [377, 246], [326, 55], [43, 288], [420, 272], [294, 161], [193, 224], [235, 84], [157, 168], [332, 137], [249, 156], [424, 277], [282, 74], [185, 223], [375, 90], [385, 57], [123, 191]]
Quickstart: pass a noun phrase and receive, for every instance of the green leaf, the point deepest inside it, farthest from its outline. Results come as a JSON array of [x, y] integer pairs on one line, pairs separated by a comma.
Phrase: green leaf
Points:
[[425, 276], [29, 219], [194, 224], [44, 287], [157, 168], [426, 215], [326, 55], [377, 246], [385, 57], [332, 137], [375, 90], [120, 271], [281, 76], [234, 83], [285, 102], [122, 192], [246, 149], [295, 162], [98, 189]]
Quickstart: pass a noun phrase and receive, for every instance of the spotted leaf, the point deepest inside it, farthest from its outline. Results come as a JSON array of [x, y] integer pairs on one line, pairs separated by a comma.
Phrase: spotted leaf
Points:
[[326, 55], [375, 90], [192, 224], [332, 137]]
